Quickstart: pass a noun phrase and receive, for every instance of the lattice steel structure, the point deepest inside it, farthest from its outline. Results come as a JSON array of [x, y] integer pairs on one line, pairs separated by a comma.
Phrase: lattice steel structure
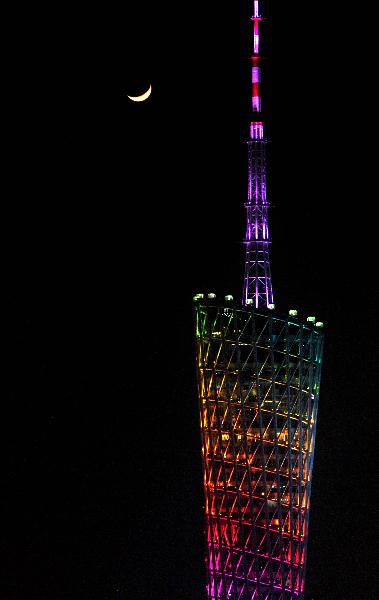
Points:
[[257, 288], [258, 388]]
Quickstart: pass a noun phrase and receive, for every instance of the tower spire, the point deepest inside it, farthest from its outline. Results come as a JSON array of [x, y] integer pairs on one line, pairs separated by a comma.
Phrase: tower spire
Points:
[[257, 283]]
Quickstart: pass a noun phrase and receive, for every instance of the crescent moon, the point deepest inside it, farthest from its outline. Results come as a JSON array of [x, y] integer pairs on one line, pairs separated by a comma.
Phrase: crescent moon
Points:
[[142, 97]]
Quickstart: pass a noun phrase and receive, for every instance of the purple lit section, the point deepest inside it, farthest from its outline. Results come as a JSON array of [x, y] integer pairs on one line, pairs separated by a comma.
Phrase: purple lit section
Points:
[[256, 75], [257, 282], [256, 103], [256, 131]]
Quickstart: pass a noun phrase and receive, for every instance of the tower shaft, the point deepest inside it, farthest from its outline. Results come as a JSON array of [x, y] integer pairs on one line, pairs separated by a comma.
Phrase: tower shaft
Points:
[[257, 282], [258, 385]]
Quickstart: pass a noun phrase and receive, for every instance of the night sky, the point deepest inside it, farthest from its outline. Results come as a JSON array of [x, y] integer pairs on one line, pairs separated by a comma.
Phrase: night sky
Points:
[[116, 213]]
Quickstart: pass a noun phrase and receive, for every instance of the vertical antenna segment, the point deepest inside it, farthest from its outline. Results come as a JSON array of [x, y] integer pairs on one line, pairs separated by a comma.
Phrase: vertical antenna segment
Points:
[[257, 283]]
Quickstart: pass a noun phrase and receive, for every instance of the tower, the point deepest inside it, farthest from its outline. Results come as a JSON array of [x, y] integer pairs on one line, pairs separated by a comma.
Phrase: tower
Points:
[[258, 374]]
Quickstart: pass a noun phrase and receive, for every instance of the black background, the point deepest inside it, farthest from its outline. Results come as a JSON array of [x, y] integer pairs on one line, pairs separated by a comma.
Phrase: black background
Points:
[[116, 213]]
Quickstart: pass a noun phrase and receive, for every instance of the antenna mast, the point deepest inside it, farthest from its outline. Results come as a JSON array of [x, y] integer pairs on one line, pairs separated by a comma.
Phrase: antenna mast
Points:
[[257, 283]]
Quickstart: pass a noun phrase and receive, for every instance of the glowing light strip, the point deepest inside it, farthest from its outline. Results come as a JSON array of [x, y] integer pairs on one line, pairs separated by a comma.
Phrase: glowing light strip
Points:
[[256, 37]]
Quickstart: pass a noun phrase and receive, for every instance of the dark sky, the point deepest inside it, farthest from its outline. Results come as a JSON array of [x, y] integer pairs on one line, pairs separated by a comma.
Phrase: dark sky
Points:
[[116, 214]]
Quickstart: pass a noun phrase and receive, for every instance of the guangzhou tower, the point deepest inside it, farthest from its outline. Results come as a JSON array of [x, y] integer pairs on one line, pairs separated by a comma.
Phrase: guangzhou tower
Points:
[[258, 374]]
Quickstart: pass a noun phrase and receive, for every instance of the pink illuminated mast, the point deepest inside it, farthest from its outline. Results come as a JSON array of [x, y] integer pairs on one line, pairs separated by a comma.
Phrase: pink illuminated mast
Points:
[[257, 283]]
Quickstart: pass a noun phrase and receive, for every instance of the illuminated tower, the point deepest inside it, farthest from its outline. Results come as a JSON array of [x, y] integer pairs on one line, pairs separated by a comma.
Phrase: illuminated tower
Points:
[[258, 374]]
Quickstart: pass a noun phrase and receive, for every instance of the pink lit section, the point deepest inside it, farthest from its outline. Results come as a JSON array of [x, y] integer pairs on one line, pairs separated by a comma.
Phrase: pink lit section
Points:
[[256, 103], [256, 38], [256, 130]]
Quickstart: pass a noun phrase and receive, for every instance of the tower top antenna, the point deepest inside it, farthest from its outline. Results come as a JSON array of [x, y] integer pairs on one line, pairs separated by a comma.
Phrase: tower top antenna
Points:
[[257, 289]]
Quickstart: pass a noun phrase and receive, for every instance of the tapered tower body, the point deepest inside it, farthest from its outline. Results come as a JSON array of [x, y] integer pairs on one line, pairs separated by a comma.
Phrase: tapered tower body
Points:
[[258, 386], [258, 375]]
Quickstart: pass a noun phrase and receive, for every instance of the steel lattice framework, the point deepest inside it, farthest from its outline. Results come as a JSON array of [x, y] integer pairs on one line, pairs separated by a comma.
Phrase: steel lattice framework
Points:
[[258, 386], [257, 288], [257, 282]]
